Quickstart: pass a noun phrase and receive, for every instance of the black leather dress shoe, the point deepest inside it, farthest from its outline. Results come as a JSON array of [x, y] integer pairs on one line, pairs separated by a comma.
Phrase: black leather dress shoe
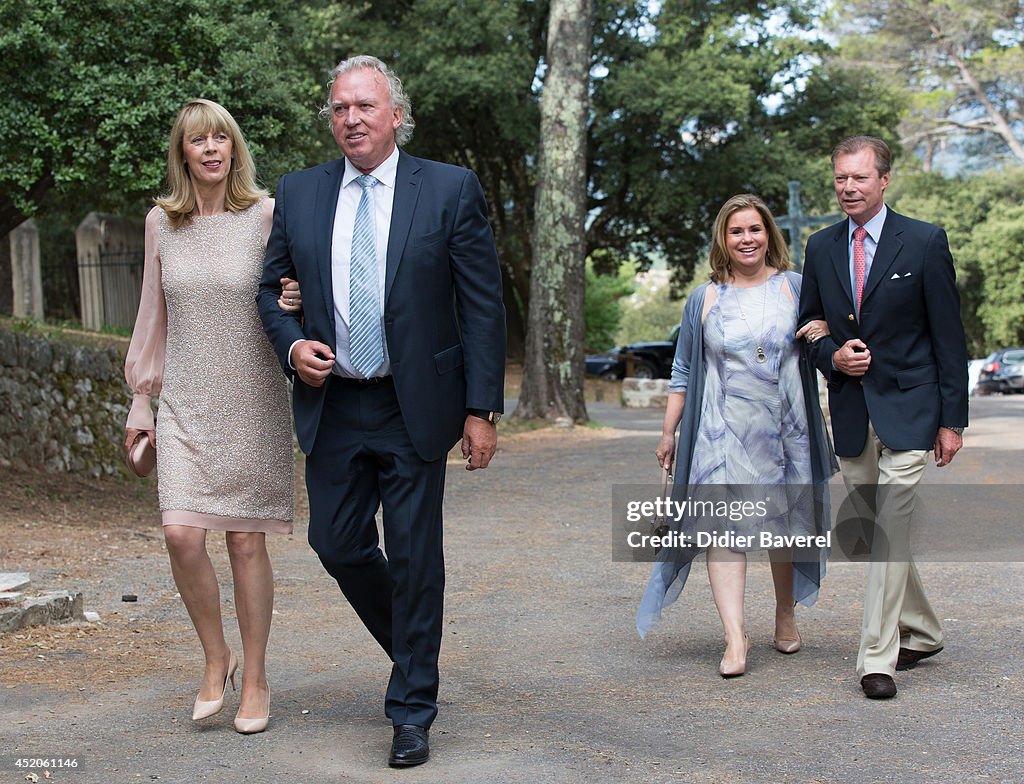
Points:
[[909, 658], [409, 747], [878, 686]]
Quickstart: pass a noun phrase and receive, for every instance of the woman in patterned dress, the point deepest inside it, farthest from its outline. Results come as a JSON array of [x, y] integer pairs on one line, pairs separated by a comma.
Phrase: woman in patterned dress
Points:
[[223, 434], [752, 429]]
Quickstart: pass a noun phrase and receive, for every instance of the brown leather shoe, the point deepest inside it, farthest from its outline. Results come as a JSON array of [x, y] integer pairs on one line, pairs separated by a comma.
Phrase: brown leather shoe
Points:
[[909, 658], [878, 686]]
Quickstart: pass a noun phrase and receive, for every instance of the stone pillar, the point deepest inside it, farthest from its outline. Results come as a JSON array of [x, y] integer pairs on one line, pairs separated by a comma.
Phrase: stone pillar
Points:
[[26, 274], [88, 241], [110, 253], [123, 251]]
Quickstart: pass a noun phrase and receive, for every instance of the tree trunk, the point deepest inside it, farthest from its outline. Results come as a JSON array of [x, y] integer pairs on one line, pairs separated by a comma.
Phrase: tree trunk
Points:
[[553, 367]]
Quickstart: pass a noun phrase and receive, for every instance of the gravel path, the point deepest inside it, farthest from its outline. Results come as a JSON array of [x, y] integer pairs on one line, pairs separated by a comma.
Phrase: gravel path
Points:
[[543, 676]]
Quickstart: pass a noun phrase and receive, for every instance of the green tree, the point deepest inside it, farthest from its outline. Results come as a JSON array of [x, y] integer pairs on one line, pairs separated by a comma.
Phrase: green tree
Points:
[[703, 100], [960, 60], [91, 88], [603, 307], [968, 207], [997, 246], [650, 313]]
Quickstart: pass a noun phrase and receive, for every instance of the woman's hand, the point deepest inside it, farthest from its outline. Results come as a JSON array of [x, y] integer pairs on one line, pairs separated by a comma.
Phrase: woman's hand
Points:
[[291, 298], [666, 452], [131, 435], [813, 330]]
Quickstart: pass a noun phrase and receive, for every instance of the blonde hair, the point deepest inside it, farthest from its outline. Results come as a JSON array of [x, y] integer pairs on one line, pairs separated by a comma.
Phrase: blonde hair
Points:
[[202, 116], [776, 256]]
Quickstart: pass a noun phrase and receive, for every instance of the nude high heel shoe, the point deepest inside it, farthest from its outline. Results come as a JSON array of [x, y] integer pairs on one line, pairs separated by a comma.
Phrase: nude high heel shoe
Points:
[[205, 708], [252, 726], [786, 645], [737, 669]]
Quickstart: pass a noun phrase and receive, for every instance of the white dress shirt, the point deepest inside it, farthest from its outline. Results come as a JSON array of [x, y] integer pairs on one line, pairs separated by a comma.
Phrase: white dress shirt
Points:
[[382, 197]]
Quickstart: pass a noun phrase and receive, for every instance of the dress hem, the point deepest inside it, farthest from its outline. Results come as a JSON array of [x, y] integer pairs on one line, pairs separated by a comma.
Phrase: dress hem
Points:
[[215, 522]]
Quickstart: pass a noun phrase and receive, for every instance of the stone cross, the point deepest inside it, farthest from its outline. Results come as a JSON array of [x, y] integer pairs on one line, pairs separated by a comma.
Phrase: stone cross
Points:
[[796, 221]]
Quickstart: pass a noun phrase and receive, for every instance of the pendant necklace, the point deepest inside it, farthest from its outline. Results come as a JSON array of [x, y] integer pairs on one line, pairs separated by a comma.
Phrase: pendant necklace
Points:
[[759, 352]]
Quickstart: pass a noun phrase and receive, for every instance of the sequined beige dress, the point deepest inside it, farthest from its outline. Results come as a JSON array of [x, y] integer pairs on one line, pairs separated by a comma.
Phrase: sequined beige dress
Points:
[[224, 444]]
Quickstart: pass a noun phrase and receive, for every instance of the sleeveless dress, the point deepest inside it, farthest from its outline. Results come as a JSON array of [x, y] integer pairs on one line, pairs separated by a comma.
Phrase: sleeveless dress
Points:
[[752, 441], [749, 430], [224, 443]]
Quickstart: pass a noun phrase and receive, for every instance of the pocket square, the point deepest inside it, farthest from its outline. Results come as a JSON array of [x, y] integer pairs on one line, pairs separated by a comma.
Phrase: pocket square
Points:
[[906, 275], [895, 276]]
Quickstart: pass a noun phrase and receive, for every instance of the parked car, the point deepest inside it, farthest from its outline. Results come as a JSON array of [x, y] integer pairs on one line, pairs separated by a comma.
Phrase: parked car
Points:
[[651, 359], [1003, 371]]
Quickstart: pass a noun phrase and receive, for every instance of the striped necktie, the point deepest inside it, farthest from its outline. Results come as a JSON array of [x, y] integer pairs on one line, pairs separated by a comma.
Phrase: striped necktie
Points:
[[366, 342]]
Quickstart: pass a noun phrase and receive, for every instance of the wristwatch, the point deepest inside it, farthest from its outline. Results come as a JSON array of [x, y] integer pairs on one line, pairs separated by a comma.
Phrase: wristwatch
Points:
[[483, 413], [958, 430]]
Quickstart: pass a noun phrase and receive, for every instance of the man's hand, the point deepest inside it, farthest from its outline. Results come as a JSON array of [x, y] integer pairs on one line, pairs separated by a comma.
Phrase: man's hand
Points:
[[852, 358], [313, 361], [947, 444], [479, 440]]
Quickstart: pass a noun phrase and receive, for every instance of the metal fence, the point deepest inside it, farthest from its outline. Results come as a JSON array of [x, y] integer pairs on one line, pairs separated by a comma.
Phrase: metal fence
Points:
[[119, 274], [61, 298]]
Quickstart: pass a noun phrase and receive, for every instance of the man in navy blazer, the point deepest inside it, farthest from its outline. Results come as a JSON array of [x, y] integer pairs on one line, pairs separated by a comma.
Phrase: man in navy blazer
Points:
[[896, 366], [378, 437]]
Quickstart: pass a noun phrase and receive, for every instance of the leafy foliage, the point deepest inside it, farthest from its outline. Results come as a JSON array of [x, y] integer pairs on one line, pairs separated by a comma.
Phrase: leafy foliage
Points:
[[603, 306], [981, 215], [91, 89], [701, 101], [650, 313]]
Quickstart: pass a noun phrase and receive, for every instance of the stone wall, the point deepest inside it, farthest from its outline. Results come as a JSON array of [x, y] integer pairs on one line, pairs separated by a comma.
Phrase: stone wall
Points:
[[63, 403]]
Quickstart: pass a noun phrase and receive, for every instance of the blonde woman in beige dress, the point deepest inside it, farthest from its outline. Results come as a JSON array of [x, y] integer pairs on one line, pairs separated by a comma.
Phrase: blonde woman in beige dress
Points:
[[223, 434]]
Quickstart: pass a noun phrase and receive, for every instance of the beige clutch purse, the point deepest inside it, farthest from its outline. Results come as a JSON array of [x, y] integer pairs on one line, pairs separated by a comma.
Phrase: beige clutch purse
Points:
[[141, 458]]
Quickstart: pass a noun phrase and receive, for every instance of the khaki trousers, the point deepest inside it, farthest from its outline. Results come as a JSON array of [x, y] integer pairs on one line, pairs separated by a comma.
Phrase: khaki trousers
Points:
[[896, 610]]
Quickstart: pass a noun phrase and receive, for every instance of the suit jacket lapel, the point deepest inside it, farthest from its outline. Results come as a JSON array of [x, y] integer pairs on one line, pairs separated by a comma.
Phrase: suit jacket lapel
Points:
[[328, 190], [889, 247], [407, 191], [841, 257]]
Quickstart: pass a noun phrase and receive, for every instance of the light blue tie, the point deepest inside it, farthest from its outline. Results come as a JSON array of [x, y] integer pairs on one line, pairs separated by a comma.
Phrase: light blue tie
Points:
[[366, 342]]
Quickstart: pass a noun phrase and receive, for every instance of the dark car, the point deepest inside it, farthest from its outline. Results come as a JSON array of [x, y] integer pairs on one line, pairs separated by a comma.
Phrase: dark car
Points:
[[1003, 371], [652, 359]]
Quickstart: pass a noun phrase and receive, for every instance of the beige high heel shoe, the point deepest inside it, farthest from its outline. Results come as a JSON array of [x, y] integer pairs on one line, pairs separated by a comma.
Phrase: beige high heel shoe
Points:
[[735, 670], [786, 645], [205, 708], [252, 726]]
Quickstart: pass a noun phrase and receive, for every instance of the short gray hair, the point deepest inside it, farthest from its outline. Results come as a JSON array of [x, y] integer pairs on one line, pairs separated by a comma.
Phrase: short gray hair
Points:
[[399, 100]]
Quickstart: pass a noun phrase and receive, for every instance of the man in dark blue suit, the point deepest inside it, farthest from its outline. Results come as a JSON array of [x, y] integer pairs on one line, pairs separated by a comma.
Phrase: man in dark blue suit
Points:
[[896, 365], [400, 351]]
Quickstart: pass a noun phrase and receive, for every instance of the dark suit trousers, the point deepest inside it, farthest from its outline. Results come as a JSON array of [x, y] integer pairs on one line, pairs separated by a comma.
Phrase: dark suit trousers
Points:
[[363, 460]]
